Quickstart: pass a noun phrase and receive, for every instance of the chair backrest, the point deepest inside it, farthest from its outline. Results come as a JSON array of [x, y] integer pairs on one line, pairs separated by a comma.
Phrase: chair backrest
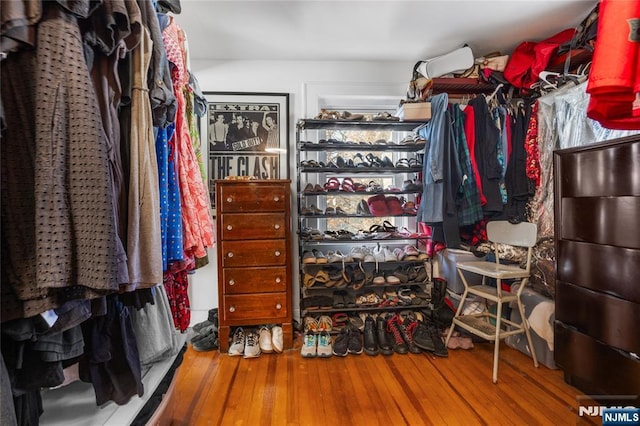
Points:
[[523, 234]]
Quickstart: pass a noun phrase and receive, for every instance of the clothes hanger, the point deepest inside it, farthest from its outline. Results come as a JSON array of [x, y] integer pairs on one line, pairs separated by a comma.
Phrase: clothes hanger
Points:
[[494, 93]]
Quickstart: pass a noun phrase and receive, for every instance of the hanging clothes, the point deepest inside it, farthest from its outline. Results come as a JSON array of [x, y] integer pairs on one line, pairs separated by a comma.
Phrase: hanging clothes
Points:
[[435, 132], [487, 137], [470, 134], [516, 180], [469, 207], [55, 162], [144, 239], [562, 123], [531, 147], [196, 218], [112, 31]]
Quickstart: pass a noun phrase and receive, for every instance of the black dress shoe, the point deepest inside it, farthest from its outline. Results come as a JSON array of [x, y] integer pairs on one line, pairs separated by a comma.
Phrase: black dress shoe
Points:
[[384, 338], [370, 338]]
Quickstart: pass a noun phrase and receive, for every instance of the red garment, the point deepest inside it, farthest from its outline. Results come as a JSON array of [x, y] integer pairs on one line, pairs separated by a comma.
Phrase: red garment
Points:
[[176, 285], [529, 58], [470, 133], [614, 79], [531, 146]]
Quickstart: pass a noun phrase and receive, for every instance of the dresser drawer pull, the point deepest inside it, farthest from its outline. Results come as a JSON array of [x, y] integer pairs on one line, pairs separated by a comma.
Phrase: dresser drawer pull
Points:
[[278, 280], [276, 226], [278, 306], [276, 198], [277, 253], [232, 282], [229, 227], [232, 308], [230, 254], [229, 199]]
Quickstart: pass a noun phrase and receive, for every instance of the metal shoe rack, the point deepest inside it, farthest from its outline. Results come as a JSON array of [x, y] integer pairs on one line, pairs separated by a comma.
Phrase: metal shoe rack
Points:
[[328, 286]]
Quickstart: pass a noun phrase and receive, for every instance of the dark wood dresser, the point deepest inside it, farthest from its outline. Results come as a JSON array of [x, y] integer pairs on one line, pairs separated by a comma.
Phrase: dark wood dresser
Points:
[[597, 230], [254, 255]]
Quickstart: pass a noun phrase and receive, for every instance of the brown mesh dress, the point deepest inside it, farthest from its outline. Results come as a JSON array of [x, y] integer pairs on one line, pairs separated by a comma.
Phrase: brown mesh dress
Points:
[[57, 213]]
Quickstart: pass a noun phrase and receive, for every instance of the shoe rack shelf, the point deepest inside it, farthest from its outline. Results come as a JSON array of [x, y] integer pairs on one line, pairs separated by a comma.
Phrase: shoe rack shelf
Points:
[[315, 145]]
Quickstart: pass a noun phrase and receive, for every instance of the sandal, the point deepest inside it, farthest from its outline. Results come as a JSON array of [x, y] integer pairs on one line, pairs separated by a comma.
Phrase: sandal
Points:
[[403, 163], [388, 227], [347, 185], [333, 184]]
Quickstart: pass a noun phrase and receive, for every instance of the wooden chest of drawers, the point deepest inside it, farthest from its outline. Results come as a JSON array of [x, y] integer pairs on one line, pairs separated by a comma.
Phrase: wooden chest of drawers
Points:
[[254, 256]]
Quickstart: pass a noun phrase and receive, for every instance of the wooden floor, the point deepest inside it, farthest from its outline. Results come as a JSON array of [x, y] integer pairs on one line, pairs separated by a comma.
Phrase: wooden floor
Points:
[[286, 389]]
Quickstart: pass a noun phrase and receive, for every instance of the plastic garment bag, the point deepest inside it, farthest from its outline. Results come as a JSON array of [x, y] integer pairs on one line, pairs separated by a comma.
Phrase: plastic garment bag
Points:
[[562, 123]]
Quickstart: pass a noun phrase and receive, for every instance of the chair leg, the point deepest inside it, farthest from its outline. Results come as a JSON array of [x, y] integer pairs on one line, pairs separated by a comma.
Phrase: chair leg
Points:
[[525, 325], [496, 349]]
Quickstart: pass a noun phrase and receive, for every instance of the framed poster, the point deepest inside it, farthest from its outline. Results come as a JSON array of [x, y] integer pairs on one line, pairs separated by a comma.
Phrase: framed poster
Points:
[[247, 134]]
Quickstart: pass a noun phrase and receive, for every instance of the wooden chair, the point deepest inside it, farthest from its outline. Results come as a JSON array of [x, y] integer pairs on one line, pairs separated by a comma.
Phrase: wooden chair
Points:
[[520, 235]]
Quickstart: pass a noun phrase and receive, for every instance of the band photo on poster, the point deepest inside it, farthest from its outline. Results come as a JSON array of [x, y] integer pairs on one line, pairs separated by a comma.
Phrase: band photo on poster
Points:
[[246, 134]]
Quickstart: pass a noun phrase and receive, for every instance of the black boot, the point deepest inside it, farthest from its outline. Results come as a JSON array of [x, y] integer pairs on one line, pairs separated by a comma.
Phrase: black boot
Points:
[[394, 325], [384, 341], [407, 328], [370, 338], [422, 337], [438, 344]]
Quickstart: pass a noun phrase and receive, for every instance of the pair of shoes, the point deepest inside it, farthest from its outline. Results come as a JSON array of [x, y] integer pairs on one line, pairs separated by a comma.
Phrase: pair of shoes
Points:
[[212, 319], [427, 336], [245, 344], [316, 344], [270, 339], [206, 340], [402, 332], [349, 341]]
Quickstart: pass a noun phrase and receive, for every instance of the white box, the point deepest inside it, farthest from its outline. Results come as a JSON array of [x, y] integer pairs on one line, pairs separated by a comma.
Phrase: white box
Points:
[[447, 260]]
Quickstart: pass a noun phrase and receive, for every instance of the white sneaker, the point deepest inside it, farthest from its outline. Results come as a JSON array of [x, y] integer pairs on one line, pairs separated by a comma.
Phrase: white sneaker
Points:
[[309, 346], [324, 349], [265, 340], [277, 339], [251, 347], [237, 343]]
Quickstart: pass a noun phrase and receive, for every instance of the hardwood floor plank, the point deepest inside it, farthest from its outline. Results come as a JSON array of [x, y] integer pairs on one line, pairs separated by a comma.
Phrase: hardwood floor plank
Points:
[[286, 389]]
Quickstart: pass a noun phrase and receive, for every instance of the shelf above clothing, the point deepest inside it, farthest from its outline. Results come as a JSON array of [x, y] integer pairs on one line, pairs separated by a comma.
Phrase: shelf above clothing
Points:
[[358, 125], [324, 146]]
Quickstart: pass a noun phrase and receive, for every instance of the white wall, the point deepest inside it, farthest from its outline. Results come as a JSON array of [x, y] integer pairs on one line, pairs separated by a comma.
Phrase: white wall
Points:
[[309, 84]]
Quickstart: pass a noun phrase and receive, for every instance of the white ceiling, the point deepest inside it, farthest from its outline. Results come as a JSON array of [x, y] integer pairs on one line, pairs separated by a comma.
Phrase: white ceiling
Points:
[[368, 30]]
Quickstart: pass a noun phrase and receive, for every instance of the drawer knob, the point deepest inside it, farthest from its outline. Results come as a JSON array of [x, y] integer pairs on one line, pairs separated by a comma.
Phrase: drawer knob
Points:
[[276, 198], [229, 199], [229, 227], [276, 226], [232, 308], [230, 254], [278, 280], [278, 306], [277, 253], [232, 282]]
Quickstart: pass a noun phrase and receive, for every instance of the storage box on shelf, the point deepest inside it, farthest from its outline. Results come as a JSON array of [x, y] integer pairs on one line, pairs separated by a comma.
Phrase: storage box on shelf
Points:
[[254, 264], [349, 267]]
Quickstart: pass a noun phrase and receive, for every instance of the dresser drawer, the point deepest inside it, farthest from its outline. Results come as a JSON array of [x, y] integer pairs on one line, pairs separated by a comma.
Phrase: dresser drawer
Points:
[[253, 253], [268, 306], [252, 198], [253, 226], [254, 280]]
